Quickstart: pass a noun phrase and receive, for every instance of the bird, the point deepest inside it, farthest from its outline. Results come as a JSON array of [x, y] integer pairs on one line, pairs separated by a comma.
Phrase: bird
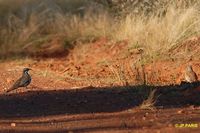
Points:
[[189, 85], [23, 81], [190, 75]]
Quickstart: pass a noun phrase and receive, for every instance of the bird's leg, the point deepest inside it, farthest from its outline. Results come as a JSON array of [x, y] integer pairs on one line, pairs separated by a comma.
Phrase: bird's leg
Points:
[[27, 88]]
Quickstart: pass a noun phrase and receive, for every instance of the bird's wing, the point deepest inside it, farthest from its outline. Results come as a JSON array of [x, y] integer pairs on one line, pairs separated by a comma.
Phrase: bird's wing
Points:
[[15, 85], [25, 80]]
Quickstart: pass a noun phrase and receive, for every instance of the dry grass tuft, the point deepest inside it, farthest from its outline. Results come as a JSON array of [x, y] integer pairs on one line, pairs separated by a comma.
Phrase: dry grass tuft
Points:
[[150, 101]]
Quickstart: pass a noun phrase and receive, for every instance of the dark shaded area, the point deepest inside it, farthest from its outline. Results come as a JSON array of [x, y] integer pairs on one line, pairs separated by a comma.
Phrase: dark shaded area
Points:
[[93, 100], [182, 95]]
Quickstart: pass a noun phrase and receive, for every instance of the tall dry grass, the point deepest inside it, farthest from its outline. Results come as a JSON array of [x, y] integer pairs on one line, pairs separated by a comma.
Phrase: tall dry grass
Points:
[[32, 23], [158, 35], [35, 22]]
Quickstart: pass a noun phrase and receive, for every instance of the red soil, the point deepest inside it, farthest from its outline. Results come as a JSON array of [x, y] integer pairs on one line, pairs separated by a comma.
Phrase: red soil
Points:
[[97, 88]]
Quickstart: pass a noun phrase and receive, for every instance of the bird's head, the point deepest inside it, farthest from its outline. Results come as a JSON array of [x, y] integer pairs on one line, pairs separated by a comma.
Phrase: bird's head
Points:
[[26, 70], [189, 68]]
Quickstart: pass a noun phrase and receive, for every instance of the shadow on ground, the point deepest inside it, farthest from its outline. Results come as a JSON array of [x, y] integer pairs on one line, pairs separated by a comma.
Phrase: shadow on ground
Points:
[[93, 100]]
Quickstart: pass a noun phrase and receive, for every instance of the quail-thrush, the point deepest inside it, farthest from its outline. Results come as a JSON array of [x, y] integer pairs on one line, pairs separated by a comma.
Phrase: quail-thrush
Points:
[[24, 81], [190, 75]]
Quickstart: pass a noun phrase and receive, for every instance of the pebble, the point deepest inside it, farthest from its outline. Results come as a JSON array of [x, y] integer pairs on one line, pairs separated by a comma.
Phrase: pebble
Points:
[[8, 80], [180, 111], [13, 124]]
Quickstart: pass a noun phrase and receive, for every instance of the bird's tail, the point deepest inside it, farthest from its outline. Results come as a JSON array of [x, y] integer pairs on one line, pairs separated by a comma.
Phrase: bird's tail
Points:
[[10, 89]]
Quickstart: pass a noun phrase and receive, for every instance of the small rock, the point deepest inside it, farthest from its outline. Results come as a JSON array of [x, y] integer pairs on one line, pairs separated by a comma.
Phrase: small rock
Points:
[[192, 107], [170, 125], [13, 124], [8, 80], [133, 117], [151, 120], [180, 111]]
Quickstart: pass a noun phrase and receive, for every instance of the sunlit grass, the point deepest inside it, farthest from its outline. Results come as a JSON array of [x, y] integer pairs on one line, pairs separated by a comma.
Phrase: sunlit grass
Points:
[[149, 103]]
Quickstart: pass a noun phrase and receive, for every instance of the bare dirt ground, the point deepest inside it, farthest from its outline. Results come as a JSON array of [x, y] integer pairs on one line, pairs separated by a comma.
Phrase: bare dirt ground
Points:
[[99, 88]]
